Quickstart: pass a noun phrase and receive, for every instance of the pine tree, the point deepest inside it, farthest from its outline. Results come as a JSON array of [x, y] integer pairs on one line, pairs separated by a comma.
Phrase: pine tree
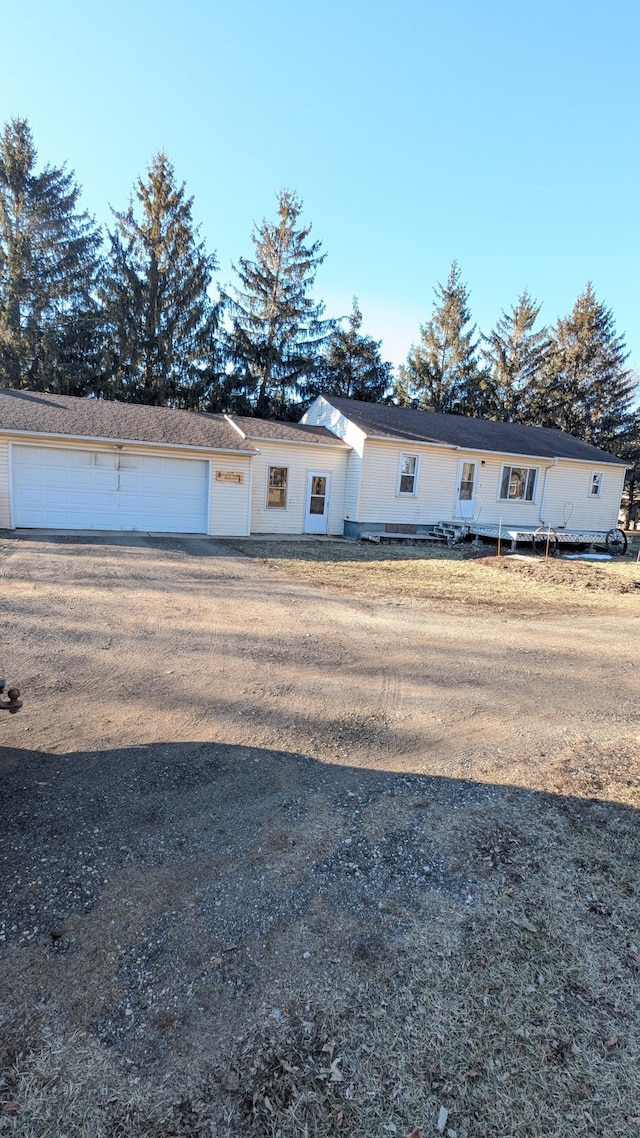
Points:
[[351, 365], [277, 328], [49, 254], [586, 390], [442, 373], [515, 356], [629, 449], [160, 324]]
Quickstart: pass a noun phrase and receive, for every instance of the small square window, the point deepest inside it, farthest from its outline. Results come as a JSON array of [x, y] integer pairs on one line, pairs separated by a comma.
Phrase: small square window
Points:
[[408, 474], [596, 485], [277, 487]]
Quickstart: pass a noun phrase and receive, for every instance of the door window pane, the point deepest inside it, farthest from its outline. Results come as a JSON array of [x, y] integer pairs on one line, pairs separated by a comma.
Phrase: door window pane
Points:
[[316, 505], [466, 482], [318, 484]]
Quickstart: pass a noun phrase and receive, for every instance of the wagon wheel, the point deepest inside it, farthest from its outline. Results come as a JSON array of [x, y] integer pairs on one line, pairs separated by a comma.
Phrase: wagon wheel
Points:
[[540, 539], [616, 542]]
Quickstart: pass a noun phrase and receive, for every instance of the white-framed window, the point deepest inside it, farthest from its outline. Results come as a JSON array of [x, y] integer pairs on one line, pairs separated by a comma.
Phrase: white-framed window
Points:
[[407, 475], [595, 487], [277, 479], [518, 483]]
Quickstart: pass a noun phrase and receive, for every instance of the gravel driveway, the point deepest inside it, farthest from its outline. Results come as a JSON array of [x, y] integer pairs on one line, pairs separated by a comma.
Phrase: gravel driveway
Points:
[[226, 790]]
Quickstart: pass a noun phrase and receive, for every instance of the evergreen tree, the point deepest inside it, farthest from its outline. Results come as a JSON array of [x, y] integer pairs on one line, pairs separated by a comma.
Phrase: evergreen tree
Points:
[[160, 324], [49, 254], [442, 373], [351, 365], [516, 357], [277, 328], [629, 449], [586, 389]]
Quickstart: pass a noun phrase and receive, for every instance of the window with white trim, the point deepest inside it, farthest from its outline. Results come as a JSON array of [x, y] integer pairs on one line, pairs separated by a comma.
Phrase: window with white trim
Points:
[[407, 475], [278, 477], [595, 489], [518, 483]]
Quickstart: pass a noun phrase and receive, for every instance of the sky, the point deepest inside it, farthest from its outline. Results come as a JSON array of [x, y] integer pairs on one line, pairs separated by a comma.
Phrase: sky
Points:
[[499, 134]]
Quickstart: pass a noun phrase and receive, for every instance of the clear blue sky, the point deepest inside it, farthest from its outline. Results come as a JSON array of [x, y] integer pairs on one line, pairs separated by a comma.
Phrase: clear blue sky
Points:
[[501, 134]]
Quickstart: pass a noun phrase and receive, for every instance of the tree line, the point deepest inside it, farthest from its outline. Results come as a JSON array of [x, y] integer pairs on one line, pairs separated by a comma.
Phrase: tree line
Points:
[[135, 315]]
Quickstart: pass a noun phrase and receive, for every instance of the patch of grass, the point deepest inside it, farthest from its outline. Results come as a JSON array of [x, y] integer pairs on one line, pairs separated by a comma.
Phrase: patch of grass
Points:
[[513, 1010], [518, 585], [517, 1017]]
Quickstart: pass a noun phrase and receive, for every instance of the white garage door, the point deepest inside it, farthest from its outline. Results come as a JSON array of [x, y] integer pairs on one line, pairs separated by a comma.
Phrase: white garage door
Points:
[[58, 488]]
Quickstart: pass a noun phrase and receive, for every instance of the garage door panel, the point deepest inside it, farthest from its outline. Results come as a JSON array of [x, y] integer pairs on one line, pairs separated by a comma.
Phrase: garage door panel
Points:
[[60, 488]]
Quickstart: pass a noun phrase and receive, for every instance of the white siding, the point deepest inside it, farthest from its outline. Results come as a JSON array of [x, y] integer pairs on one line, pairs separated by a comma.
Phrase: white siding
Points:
[[434, 496], [564, 501], [568, 502], [352, 489], [230, 502], [322, 414], [299, 460], [489, 507], [5, 504]]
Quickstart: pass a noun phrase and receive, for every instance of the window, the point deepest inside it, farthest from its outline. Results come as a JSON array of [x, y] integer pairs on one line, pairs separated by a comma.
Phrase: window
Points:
[[467, 481], [277, 487], [408, 474], [596, 485], [518, 483]]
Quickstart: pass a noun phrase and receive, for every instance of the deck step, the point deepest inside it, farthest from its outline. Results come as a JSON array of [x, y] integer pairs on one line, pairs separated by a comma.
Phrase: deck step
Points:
[[381, 535], [452, 532]]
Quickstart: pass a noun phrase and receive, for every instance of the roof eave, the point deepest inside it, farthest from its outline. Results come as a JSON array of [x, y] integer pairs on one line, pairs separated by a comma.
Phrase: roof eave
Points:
[[612, 461], [113, 440], [257, 439]]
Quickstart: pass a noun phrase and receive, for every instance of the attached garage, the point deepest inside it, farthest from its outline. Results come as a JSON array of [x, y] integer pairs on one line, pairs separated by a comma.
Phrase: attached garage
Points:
[[65, 488], [96, 464]]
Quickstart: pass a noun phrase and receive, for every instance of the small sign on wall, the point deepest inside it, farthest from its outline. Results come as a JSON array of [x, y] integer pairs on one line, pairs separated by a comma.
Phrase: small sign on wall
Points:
[[229, 476]]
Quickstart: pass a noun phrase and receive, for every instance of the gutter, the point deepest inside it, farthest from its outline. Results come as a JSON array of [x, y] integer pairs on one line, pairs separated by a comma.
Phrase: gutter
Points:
[[544, 490]]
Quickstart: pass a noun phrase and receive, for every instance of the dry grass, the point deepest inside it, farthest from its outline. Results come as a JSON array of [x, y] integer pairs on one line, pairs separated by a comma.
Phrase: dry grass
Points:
[[515, 1011], [522, 585], [501, 1015]]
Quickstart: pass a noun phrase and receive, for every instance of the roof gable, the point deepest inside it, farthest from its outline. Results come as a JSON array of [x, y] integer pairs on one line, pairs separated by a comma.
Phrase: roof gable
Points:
[[403, 424], [277, 430]]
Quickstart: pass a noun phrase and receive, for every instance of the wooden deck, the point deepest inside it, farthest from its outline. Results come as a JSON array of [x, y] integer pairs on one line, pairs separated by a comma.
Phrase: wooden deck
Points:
[[522, 534], [456, 530]]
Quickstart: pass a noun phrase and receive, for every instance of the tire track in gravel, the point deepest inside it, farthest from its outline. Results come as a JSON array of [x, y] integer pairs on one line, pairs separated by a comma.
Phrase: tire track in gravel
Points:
[[136, 640]]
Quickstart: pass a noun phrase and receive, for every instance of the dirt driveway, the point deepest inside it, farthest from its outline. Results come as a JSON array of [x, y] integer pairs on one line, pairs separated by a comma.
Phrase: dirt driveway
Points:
[[232, 800]]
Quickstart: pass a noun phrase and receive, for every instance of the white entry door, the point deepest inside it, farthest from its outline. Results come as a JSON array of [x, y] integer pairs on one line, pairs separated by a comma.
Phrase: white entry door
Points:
[[466, 488], [316, 515]]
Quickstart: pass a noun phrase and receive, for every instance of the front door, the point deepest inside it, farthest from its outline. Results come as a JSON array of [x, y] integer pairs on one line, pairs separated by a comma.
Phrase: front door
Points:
[[316, 515], [466, 488]]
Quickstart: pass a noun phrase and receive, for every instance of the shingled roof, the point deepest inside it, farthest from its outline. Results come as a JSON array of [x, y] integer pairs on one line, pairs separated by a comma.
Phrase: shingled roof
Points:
[[36, 412], [379, 420], [273, 430]]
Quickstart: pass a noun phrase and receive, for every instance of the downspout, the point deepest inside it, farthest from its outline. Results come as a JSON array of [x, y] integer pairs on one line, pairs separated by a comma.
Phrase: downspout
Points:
[[544, 491]]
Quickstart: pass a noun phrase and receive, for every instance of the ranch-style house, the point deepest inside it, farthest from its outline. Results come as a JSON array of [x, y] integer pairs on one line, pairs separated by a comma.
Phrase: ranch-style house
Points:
[[348, 468]]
